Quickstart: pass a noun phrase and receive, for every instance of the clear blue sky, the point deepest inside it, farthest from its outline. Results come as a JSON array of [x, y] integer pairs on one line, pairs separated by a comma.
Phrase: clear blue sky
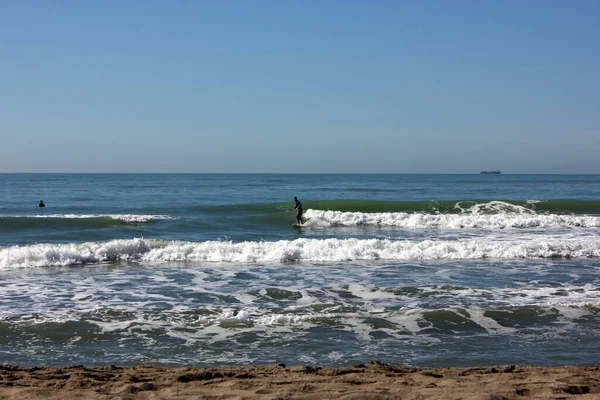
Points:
[[300, 86]]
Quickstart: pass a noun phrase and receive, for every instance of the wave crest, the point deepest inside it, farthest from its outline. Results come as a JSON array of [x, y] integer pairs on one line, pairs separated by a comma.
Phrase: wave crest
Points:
[[472, 218], [299, 250], [132, 218]]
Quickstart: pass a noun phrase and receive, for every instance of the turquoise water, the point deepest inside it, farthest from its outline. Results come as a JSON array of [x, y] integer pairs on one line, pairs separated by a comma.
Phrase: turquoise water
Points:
[[205, 269]]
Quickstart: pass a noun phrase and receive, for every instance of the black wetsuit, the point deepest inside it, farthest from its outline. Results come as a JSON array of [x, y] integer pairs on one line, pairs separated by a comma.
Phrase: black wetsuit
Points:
[[298, 208]]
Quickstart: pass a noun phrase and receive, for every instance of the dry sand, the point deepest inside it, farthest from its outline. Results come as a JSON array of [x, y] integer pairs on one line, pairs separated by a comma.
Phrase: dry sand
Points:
[[362, 381]]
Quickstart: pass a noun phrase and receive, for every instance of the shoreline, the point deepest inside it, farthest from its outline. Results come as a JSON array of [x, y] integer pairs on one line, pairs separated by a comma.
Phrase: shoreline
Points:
[[372, 380]]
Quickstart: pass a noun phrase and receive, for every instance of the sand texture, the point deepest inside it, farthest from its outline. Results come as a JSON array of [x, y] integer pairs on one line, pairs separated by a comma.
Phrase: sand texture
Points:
[[373, 380]]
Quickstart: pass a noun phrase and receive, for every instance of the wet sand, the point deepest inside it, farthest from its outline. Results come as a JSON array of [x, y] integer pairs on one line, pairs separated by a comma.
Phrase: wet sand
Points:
[[373, 380]]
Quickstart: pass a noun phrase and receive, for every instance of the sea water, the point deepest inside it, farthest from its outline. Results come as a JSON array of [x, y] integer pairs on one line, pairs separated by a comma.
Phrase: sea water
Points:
[[206, 269]]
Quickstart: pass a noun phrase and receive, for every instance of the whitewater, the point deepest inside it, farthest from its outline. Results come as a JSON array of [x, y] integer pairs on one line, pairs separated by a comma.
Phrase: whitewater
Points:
[[307, 250]]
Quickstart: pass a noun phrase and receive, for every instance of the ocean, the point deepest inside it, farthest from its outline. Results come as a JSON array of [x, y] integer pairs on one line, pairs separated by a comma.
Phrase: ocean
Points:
[[206, 269]]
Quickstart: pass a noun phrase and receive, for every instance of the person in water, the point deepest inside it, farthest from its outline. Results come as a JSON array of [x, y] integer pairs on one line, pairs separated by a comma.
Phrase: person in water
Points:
[[298, 208], [42, 203]]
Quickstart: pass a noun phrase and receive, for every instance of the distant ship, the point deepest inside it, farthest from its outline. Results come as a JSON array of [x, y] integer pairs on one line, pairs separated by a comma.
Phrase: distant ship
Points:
[[496, 172]]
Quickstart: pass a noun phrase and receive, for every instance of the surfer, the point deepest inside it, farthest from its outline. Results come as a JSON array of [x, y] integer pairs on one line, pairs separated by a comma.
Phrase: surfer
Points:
[[298, 208], [42, 203]]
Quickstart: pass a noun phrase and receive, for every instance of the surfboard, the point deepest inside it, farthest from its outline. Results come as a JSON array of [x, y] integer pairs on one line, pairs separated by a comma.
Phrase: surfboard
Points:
[[298, 226]]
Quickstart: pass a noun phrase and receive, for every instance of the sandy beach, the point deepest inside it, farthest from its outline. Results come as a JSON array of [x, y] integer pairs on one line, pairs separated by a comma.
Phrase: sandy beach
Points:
[[373, 380]]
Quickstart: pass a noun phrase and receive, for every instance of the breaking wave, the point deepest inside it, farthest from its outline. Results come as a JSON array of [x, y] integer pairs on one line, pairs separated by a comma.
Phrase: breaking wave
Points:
[[45, 220], [523, 219], [298, 250]]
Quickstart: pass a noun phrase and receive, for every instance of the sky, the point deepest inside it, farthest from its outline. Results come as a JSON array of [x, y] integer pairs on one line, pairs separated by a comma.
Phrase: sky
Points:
[[291, 86]]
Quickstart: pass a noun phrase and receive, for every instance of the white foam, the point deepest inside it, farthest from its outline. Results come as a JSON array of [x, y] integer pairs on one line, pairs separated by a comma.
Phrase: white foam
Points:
[[131, 218], [472, 218], [495, 207], [369, 294], [141, 309], [477, 315], [299, 250]]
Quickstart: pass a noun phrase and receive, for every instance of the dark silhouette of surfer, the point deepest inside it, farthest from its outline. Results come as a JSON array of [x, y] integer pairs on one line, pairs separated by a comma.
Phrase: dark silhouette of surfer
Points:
[[298, 208], [42, 203]]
